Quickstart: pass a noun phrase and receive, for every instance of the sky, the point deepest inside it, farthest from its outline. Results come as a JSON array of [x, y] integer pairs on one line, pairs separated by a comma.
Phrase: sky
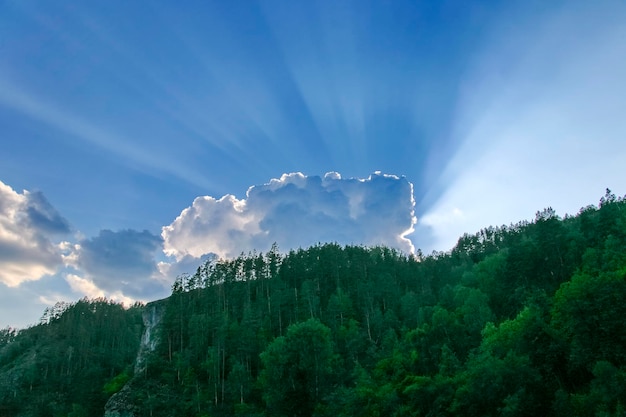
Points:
[[138, 139]]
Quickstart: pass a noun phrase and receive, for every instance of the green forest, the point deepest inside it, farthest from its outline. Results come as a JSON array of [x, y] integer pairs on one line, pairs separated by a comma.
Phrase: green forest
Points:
[[519, 320]]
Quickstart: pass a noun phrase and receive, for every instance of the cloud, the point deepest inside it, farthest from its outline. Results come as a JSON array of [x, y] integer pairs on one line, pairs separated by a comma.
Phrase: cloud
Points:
[[84, 286], [88, 289], [186, 265], [41, 109], [42, 216], [296, 210], [120, 263], [27, 221]]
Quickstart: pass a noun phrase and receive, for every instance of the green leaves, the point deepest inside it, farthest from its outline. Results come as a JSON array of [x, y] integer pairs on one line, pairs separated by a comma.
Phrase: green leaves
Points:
[[298, 369], [67, 365], [589, 312], [117, 382]]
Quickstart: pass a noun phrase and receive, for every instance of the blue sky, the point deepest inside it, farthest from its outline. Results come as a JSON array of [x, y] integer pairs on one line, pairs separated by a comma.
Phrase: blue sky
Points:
[[136, 138]]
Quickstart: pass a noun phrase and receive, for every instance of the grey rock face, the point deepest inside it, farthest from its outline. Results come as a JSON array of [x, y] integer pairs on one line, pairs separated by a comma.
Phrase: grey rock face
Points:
[[120, 404], [152, 316]]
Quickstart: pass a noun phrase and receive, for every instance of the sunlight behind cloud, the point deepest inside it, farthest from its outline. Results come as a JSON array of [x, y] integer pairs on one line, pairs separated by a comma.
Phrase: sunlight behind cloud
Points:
[[297, 211], [123, 114]]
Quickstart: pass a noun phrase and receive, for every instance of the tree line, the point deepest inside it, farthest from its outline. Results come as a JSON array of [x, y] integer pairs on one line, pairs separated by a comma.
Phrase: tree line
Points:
[[61, 367]]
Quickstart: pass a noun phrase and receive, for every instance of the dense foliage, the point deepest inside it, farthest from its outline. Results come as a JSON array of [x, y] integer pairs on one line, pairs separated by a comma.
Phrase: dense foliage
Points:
[[68, 364], [519, 320]]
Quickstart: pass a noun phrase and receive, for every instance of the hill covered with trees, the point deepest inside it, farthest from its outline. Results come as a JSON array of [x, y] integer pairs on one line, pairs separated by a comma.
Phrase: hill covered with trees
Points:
[[518, 320]]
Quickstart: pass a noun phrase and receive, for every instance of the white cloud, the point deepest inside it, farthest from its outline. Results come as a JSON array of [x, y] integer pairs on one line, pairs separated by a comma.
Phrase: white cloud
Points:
[[50, 299], [186, 265], [120, 265], [84, 286], [26, 251], [297, 211], [87, 288]]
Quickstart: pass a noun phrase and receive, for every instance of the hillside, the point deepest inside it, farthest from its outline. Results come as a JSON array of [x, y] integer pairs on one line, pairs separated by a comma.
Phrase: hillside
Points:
[[516, 320]]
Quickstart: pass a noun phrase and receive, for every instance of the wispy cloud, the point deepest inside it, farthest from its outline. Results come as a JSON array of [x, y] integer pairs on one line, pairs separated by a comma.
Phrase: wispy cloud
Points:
[[77, 128]]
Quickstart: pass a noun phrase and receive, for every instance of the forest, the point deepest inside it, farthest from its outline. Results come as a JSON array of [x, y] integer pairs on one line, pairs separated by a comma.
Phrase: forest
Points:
[[518, 320]]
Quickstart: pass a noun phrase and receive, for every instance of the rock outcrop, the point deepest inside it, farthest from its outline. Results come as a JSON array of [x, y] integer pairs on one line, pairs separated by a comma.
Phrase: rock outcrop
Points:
[[120, 404]]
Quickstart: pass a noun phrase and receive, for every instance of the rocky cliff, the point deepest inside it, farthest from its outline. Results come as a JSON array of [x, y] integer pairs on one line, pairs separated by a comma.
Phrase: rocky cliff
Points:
[[120, 404]]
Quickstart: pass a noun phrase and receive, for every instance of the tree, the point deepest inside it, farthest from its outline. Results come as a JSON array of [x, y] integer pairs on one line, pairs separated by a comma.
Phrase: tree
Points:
[[589, 312], [298, 369]]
